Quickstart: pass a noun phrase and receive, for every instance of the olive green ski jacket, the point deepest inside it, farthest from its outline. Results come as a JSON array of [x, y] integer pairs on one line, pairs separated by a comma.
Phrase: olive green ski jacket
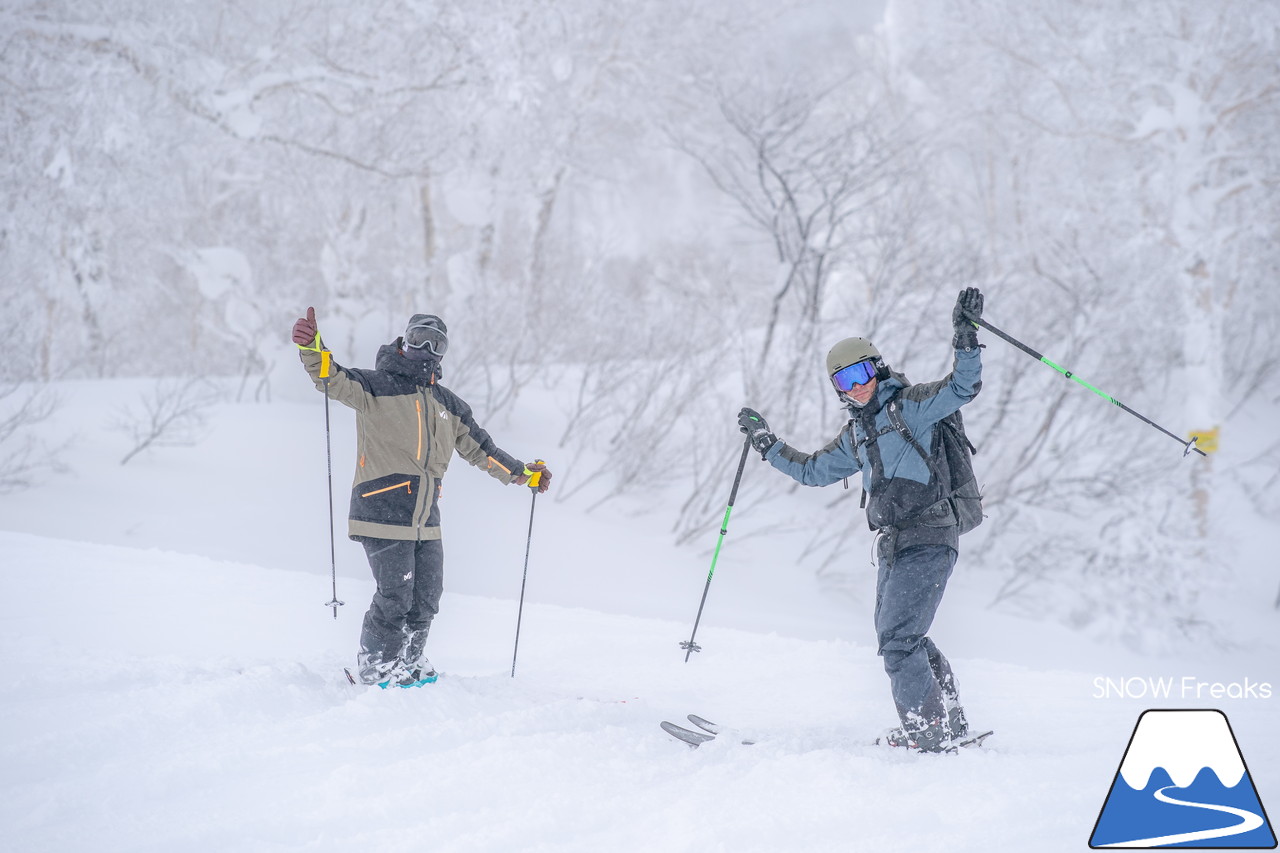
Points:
[[407, 428]]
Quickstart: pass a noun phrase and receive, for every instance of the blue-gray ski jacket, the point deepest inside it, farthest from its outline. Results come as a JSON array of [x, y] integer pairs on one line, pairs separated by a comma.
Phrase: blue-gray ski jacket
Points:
[[897, 480]]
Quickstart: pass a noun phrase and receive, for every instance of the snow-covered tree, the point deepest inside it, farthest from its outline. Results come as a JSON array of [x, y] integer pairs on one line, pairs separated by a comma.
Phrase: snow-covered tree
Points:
[[1112, 162]]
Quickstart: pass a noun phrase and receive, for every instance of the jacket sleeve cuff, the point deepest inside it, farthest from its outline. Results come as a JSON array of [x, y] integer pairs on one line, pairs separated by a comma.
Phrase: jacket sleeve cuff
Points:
[[965, 339]]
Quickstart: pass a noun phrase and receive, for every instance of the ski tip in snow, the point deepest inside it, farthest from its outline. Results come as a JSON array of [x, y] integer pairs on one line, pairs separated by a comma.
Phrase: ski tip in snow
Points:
[[692, 738], [704, 724], [695, 739]]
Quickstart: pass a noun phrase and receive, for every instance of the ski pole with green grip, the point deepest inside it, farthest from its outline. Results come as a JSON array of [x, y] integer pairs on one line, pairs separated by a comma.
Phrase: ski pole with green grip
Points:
[[689, 645], [1188, 446]]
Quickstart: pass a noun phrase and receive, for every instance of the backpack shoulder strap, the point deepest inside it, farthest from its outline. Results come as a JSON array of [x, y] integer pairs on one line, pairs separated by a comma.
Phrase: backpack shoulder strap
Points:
[[871, 437], [955, 423], [894, 413]]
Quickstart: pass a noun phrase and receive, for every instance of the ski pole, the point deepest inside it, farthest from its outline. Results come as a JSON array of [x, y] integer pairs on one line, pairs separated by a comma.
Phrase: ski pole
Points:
[[689, 645], [1188, 446], [328, 453], [532, 484]]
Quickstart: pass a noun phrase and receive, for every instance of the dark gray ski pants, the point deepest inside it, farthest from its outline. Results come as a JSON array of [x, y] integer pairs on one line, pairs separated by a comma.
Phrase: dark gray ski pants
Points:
[[410, 579], [909, 589]]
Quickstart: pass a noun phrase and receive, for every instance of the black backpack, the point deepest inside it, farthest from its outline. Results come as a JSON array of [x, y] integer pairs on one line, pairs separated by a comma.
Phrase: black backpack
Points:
[[952, 448]]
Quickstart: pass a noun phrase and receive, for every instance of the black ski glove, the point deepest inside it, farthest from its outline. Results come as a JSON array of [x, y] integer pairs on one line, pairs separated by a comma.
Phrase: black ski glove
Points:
[[968, 308], [757, 430]]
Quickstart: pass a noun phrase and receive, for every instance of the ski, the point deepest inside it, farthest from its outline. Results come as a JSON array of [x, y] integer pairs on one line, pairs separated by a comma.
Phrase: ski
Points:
[[692, 738], [421, 682], [695, 739], [974, 740], [704, 724], [706, 731], [957, 744], [430, 679]]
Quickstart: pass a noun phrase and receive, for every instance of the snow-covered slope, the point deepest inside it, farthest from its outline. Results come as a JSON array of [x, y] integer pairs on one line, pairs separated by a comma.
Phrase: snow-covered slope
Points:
[[160, 701], [174, 680]]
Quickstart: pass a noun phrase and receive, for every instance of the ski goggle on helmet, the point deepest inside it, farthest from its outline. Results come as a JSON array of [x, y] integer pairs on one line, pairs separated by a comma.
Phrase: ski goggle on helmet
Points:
[[426, 333], [853, 361]]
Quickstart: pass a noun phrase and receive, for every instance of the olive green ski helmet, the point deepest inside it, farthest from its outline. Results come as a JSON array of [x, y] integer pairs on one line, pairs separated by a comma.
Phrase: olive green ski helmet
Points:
[[853, 350]]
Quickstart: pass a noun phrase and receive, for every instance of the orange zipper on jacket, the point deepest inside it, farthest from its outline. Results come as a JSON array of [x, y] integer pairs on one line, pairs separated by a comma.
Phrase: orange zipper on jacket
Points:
[[417, 404], [407, 485]]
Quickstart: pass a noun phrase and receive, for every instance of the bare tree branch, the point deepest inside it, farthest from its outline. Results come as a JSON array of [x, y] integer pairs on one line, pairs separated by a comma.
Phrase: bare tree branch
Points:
[[173, 414]]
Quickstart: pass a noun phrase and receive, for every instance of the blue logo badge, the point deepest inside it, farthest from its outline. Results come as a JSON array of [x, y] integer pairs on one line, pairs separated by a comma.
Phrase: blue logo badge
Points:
[[1183, 783]]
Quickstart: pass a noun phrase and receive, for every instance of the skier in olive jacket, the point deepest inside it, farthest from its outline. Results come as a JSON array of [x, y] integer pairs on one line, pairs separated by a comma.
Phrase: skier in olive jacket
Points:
[[408, 427], [918, 538]]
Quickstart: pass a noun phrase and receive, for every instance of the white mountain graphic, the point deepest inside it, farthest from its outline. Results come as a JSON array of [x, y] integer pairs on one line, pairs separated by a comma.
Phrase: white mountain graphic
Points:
[[1183, 743], [1186, 807]]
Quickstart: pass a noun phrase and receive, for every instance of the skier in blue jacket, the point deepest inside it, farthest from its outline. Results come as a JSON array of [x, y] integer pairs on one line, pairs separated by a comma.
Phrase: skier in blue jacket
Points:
[[918, 539]]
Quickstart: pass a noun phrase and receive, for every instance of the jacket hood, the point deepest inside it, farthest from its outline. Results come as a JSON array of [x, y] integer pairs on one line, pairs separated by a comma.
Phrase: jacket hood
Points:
[[885, 388], [392, 360], [895, 383]]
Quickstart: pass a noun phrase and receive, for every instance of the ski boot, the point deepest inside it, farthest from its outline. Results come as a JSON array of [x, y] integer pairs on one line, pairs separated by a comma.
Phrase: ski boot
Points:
[[418, 669], [946, 679], [932, 736], [372, 669], [419, 673], [957, 722]]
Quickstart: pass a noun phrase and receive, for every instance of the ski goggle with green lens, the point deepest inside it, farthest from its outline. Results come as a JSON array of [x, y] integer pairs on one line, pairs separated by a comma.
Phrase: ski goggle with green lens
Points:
[[859, 373], [427, 334]]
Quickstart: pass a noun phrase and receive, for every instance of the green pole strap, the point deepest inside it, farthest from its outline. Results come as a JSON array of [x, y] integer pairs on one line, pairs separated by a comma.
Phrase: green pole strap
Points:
[[1188, 446]]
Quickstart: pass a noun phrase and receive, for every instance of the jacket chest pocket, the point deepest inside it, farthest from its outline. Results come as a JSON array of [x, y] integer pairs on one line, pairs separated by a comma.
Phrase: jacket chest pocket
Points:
[[439, 427], [386, 500]]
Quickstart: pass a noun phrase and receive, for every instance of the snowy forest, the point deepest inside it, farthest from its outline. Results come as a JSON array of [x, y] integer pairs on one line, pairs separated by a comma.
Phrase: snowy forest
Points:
[[659, 212]]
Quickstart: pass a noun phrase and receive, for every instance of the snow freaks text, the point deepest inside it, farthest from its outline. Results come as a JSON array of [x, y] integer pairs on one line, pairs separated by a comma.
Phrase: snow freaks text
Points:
[[1187, 687]]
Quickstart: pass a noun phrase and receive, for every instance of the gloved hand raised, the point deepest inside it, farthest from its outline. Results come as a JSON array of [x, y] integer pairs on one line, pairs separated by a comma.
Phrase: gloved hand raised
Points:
[[757, 430], [968, 308], [304, 331]]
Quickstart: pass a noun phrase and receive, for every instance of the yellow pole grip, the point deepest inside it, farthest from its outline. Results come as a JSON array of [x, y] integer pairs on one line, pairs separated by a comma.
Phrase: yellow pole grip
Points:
[[324, 364], [534, 476]]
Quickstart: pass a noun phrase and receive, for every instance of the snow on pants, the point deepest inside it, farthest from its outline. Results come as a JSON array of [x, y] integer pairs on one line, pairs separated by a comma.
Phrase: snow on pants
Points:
[[410, 579], [909, 589]]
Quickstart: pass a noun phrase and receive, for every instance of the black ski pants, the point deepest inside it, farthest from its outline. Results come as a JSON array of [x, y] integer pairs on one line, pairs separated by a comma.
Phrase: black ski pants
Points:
[[909, 589], [410, 579]]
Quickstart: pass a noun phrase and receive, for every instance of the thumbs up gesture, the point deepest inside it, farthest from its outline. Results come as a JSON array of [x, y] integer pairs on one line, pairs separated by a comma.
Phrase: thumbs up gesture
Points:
[[304, 331]]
